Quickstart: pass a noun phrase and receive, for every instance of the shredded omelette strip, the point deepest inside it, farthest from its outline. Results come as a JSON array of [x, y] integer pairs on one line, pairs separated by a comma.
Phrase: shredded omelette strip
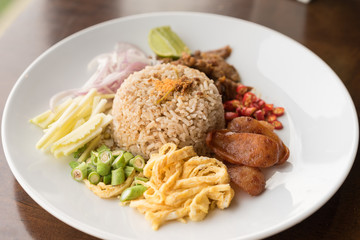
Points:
[[183, 185]]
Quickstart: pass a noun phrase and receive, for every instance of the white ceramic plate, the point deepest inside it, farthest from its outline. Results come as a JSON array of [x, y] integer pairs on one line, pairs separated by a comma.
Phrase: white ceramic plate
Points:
[[320, 128]]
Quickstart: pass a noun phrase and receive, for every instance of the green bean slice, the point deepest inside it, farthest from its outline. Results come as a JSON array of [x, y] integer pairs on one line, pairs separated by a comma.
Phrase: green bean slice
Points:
[[128, 156], [106, 157], [117, 152], [118, 176], [79, 172], [119, 161], [107, 179], [143, 179], [90, 168], [94, 157], [103, 168], [94, 178], [132, 193], [138, 163], [128, 171]]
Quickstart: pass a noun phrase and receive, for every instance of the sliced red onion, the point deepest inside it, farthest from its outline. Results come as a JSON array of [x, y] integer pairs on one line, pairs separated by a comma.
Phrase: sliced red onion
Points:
[[111, 71]]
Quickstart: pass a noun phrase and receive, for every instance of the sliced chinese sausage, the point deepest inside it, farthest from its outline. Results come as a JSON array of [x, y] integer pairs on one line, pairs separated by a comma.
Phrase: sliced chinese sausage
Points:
[[251, 125], [249, 179], [248, 149]]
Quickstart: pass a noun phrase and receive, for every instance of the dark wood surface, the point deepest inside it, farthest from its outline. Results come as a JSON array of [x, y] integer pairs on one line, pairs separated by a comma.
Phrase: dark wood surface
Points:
[[330, 28]]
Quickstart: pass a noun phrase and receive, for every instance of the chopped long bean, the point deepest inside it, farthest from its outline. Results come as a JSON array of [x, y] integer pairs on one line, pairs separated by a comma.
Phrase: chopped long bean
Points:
[[94, 178], [79, 172], [94, 157], [110, 167], [138, 163], [102, 148], [104, 162], [119, 161], [128, 171], [128, 156], [90, 168], [143, 179], [107, 179], [132, 193], [117, 152], [106, 156], [103, 168], [118, 176]]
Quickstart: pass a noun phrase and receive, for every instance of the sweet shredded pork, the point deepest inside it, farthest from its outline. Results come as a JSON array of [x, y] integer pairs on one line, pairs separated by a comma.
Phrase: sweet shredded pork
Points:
[[213, 64]]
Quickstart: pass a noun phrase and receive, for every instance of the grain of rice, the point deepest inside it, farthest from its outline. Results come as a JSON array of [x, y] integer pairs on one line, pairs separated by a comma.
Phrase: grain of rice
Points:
[[142, 126]]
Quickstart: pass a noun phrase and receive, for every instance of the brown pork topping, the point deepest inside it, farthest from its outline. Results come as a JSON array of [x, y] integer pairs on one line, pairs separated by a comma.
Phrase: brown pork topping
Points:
[[213, 64]]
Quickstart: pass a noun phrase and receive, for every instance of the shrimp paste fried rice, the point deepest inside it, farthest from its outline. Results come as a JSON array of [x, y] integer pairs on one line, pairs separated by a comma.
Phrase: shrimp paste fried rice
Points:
[[166, 103]]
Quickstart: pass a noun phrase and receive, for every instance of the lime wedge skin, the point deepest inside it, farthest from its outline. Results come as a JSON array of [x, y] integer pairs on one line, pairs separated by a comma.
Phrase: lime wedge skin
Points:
[[166, 43]]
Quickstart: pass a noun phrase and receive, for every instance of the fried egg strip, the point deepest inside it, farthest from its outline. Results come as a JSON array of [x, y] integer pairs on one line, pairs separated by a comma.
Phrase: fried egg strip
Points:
[[182, 186]]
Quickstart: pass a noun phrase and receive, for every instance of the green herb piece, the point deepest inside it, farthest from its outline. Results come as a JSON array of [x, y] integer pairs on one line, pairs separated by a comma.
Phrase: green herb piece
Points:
[[74, 164], [80, 151]]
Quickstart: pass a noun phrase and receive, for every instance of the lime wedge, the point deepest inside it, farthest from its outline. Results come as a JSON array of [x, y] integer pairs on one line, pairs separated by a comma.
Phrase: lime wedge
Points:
[[166, 43]]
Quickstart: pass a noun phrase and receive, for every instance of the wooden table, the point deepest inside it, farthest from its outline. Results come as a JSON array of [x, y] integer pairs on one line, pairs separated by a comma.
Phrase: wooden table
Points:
[[330, 28]]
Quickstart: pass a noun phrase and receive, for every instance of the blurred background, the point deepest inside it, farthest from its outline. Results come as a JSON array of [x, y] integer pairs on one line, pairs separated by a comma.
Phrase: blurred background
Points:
[[9, 10]]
